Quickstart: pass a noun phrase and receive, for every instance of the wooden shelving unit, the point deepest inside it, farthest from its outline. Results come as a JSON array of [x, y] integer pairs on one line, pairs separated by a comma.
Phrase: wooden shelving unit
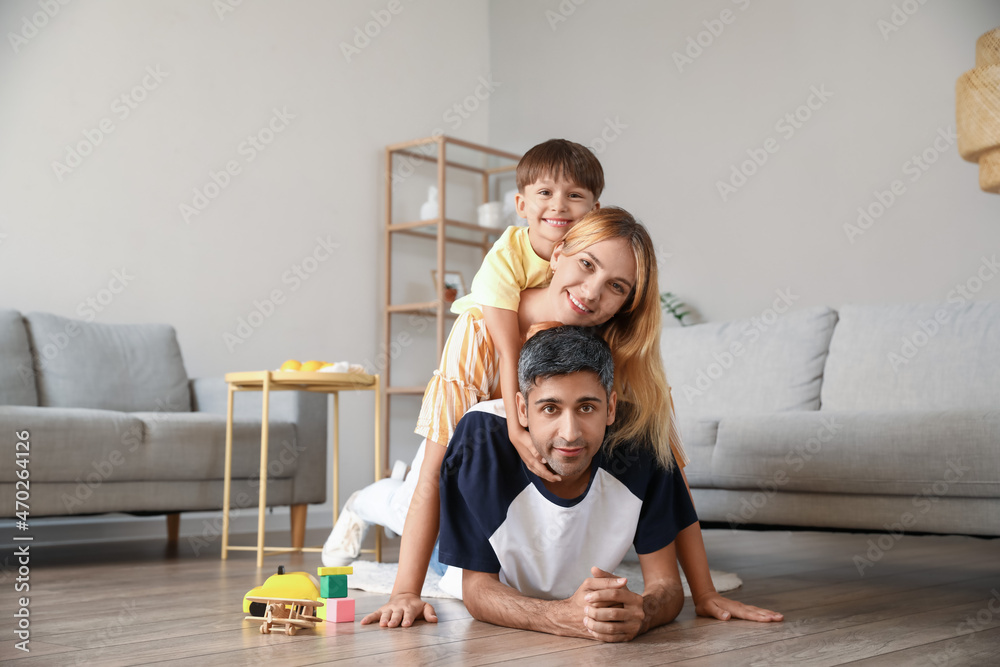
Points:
[[491, 165]]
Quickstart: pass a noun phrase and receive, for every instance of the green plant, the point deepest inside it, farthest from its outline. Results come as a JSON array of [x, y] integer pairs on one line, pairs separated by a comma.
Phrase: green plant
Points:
[[672, 304]]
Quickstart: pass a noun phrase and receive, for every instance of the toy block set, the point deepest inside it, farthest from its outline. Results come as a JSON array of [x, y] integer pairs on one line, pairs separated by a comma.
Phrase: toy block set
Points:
[[290, 602], [337, 607]]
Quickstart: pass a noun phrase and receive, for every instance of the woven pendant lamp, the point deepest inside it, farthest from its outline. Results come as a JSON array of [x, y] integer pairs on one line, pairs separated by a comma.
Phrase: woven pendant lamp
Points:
[[978, 110]]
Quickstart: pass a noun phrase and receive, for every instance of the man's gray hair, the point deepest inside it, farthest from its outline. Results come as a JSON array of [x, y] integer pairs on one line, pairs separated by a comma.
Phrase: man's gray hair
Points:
[[561, 351]]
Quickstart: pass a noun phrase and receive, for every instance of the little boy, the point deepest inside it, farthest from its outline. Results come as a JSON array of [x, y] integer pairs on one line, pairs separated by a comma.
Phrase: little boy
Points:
[[558, 182]]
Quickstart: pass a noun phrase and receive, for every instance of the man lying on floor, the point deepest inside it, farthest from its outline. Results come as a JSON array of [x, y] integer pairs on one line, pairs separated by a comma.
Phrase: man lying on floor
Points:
[[538, 555]]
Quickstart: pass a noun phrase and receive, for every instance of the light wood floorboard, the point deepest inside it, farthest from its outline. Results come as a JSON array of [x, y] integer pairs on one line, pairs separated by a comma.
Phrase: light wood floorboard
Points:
[[146, 603]]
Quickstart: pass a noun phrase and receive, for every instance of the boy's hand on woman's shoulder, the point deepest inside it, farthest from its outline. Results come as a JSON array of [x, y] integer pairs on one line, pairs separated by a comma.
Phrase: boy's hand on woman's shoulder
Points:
[[526, 450]]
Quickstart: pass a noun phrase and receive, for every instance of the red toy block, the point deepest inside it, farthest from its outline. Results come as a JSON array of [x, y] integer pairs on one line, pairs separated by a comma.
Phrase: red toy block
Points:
[[339, 610]]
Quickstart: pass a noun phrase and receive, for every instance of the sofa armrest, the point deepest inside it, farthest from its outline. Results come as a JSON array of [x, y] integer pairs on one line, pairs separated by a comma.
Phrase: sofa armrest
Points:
[[306, 410]]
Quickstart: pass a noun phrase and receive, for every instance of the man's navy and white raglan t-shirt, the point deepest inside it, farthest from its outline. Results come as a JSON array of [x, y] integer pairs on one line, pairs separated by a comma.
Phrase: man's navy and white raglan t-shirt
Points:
[[498, 517]]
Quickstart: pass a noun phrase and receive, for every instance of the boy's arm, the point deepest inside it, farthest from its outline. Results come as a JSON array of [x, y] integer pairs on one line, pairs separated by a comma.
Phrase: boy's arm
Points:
[[503, 328], [602, 607], [693, 558], [419, 533]]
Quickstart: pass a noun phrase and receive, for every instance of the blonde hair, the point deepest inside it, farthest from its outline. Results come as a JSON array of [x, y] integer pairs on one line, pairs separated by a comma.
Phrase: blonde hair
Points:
[[645, 411]]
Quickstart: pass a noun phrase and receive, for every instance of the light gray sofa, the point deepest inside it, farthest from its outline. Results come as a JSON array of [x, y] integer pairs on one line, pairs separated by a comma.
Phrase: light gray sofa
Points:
[[115, 425], [875, 418]]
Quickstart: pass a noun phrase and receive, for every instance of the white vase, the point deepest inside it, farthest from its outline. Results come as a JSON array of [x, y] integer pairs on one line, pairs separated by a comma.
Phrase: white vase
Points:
[[429, 209]]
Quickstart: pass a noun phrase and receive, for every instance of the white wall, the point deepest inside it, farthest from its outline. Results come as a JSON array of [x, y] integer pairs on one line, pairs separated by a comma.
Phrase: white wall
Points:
[[684, 127], [223, 74]]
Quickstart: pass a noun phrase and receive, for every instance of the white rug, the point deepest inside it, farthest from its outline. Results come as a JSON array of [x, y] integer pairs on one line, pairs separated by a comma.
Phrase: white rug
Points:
[[379, 577]]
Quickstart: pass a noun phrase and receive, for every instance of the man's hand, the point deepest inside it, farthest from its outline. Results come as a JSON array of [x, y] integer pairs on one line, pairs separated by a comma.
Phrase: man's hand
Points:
[[526, 450], [714, 605], [610, 611], [401, 610]]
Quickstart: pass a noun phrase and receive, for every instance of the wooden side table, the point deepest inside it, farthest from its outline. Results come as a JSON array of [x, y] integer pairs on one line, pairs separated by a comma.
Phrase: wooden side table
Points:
[[266, 382]]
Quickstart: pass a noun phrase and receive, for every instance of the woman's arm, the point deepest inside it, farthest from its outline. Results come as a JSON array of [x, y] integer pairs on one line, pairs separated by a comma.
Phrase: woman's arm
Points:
[[707, 601], [419, 533]]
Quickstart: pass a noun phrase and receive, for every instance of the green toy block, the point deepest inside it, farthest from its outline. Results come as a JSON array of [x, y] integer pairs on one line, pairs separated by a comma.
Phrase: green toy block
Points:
[[333, 586]]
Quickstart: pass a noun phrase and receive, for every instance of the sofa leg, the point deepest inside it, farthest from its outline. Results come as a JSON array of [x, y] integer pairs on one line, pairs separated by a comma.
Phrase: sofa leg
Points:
[[298, 513], [173, 527]]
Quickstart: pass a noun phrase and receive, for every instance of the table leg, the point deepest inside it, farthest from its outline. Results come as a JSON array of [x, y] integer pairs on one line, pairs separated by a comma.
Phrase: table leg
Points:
[[227, 484], [335, 427], [262, 511], [378, 460]]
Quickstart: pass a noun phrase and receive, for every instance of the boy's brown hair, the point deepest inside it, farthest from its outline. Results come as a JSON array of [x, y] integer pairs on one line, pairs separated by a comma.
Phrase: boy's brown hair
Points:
[[559, 158]]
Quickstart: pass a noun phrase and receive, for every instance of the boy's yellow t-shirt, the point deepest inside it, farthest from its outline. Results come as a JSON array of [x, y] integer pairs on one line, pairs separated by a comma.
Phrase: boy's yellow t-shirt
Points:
[[510, 267]]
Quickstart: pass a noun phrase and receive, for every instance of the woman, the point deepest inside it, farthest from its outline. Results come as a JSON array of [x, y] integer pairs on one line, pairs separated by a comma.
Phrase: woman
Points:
[[604, 275]]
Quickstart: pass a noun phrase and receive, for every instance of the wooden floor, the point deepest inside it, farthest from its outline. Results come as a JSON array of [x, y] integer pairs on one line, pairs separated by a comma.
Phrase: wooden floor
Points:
[[927, 600]]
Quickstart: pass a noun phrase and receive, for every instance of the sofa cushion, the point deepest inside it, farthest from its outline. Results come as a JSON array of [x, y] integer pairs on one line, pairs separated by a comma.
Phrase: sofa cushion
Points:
[[749, 366], [923, 454], [914, 357], [73, 444], [698, 436], [60, 499], [17, 374], [192, 445], [122, 367], [94, 447]]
